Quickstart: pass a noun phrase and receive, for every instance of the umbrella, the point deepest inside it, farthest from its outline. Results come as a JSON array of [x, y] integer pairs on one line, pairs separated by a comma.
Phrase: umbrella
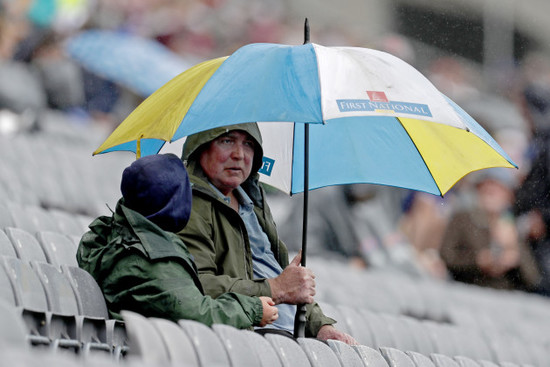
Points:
[[374, 118], [141, 64]]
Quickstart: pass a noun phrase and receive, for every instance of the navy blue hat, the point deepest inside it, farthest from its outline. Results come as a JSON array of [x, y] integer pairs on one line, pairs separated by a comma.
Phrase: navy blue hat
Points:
[[157, 186]]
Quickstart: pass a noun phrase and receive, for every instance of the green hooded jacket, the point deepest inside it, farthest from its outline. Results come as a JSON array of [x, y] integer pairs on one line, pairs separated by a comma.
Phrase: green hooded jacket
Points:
[[217, 237], [142, 268]]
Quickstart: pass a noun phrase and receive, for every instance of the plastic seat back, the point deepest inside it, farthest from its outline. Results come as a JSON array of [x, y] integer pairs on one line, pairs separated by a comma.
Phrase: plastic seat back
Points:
[[6, 247], [208, 346], [345, 353], [181, 350], [58, 248], [26, 245], [28, 289], [144, 341], [318, 353], [237, 346], [396, 357], [289, 351], [89, 296], [59, 292], [370, 356]]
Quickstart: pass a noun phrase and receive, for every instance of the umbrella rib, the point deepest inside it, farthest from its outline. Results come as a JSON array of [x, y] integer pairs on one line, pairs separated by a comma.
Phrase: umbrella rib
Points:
[[421, 156]]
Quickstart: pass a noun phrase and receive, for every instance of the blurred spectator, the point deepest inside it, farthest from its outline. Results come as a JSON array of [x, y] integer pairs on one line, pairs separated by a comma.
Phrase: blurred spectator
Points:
[[481, 244], [423, 223], [330, 231], [533, 196]]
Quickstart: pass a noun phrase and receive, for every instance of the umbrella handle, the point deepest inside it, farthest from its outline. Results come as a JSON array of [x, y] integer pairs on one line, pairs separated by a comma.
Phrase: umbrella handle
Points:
[[300, 322]]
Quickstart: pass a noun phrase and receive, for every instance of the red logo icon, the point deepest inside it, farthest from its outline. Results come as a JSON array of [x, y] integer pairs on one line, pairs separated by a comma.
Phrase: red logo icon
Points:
[[375, 96]]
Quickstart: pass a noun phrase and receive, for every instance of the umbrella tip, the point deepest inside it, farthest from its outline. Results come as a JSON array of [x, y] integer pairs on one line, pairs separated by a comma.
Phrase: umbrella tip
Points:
[[306, 31]]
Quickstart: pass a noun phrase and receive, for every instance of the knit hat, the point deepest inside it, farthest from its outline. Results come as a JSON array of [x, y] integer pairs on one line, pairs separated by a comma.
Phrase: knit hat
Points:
[[157, 186]]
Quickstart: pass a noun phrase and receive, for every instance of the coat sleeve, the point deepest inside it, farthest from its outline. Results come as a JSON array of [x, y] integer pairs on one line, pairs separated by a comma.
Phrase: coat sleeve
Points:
[[164, 289]]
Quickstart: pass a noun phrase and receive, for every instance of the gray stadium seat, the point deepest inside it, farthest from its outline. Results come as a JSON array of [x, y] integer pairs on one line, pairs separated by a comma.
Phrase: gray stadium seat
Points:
[[28, 289], [208, 346], [484, 363], [442, 338], [356, 325], [441, 360], [58, 248], [144, 341], [13, 331], [6, 219], [30, 298], [466, 362], [345, 353], [420, 360], [89, 297], [26, 245], [319, 353], [59, 292], [396, 357], [335, 312], [421, 335], [92, 332], [41, 218], [7, 294], [237, 346], [268, 355], [181, 350], [62, 328], [31, 218], [6, 247], [370, 356], [377, 326], [68, 224], [289, 351], [400, 332]]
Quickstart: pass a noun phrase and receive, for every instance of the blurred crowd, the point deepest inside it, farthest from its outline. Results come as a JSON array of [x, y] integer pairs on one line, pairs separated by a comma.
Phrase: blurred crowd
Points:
[[491, 229]]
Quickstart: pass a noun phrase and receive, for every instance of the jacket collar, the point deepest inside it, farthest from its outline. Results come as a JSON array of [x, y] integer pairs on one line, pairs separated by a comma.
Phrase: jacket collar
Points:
[[155, 242]]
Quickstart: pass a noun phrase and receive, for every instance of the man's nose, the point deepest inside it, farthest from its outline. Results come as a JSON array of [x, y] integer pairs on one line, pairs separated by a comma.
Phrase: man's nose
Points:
[[238, 151]]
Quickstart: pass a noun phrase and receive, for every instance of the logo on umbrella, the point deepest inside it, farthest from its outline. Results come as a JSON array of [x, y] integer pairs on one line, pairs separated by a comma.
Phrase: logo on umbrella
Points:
[[267, 166], [378, 102]]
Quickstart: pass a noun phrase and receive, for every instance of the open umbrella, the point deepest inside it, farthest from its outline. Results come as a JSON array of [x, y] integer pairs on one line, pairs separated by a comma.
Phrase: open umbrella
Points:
[[379, 119], [141, 64]]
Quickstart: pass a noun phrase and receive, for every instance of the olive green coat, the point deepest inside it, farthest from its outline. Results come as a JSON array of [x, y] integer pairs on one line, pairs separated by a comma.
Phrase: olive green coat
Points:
[[142, 268], [218, 240]]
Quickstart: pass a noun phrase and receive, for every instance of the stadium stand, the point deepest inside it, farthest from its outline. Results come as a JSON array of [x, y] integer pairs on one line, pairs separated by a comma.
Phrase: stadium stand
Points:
[[48, 304]]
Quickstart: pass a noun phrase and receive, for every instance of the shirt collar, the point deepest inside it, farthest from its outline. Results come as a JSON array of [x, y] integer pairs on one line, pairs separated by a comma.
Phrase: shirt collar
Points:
[[240, 194]]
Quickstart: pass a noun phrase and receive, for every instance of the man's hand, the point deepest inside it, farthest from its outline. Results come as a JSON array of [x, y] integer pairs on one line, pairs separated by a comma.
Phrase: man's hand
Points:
[[330, 332], [295, 285]]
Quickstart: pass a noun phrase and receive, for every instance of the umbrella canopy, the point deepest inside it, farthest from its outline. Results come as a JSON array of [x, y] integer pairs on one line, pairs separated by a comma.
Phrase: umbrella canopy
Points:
[[384, 122], [141, 64]]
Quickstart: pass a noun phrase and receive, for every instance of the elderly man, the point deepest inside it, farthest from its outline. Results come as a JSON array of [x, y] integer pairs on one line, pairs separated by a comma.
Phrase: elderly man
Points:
[[232, 235]]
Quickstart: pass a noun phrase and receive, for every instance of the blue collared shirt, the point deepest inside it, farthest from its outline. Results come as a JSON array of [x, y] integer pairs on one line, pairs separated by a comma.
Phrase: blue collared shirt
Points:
[[263, 260]]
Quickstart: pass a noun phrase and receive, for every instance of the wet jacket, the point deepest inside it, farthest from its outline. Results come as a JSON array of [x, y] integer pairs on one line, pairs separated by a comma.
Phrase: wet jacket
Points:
[[217, 237], [142, 268]]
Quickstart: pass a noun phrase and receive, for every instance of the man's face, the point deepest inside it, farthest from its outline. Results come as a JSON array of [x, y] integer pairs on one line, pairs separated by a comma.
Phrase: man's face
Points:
[[227, 162]]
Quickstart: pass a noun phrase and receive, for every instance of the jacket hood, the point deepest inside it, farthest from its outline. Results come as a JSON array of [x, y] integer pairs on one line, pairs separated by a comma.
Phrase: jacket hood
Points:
[[158, 187], [195, 143]]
